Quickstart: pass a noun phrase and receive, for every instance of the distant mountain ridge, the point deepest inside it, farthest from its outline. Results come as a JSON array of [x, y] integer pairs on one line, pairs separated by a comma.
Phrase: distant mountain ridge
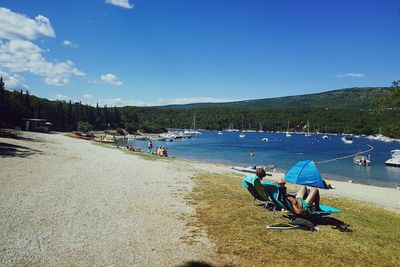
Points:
[[356, 97]]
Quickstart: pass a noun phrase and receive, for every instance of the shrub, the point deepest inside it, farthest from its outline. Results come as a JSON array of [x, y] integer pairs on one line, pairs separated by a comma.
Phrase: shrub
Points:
[[84, 126]]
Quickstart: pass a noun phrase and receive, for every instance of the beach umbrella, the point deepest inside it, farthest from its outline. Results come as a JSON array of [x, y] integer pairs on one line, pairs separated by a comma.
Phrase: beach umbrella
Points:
[[305, 173]]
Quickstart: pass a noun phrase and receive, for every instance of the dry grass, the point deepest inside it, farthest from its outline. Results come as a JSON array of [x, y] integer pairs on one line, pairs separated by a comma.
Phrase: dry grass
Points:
[[238, 230]]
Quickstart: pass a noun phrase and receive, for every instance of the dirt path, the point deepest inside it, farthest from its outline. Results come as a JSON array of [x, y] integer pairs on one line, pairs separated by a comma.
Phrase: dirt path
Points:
[[69, 202]]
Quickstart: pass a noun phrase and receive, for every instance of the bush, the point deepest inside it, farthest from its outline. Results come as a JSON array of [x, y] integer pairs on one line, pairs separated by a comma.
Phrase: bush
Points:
[[130, 127], [84, 126], [120, 131]]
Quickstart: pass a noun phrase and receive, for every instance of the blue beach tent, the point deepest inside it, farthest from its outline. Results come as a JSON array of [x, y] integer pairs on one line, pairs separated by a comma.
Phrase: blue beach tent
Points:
[[305, 173]]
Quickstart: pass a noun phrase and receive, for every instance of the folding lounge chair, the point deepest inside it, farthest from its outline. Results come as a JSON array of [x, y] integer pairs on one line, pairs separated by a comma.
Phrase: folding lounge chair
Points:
[[257, 192], [278, 195]]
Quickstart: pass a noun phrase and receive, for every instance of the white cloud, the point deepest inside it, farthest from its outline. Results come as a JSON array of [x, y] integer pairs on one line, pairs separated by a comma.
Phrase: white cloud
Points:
[[120, 3], [87, 96], [69, 44], [351, 74], [12, 81], [110, 79], [19, 54], [25, 56], [62, 97], [119, 102], [18, 26], [189, 100]]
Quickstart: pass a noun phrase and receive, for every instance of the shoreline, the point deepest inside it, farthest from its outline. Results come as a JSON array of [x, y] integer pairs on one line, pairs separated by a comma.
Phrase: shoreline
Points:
[[389, 178], [384, 197], [332, 177]]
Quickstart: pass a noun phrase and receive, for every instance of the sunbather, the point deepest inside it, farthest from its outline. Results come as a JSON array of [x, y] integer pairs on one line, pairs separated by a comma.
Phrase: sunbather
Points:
[[306, 201], [303, 203]]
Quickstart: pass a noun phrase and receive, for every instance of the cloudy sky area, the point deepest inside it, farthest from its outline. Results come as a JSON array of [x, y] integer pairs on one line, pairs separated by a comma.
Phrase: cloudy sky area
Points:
[[155, 52]]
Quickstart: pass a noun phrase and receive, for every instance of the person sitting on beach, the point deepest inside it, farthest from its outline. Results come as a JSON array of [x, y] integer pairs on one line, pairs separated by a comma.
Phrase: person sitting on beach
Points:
[[158, 151], [260, 173], [163, 152]]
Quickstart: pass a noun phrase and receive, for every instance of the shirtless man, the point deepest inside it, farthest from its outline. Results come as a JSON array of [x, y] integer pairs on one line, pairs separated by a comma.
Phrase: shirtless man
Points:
[[303, 203]]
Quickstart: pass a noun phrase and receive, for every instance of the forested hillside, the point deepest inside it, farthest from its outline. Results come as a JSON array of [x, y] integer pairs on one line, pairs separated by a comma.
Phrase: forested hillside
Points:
[[14, 106], [361, 98]]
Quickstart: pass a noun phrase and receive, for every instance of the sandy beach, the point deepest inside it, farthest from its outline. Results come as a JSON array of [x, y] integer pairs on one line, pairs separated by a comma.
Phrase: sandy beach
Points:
[[65, 201]]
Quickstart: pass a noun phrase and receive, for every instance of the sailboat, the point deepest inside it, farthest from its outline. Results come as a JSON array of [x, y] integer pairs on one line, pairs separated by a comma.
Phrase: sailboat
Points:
[[261, 130], [288, 134], [308, 130], [193, 131], [242, 134]]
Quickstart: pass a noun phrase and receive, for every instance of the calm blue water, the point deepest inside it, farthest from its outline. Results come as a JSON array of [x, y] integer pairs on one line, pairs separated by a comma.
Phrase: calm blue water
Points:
[[286, 151]]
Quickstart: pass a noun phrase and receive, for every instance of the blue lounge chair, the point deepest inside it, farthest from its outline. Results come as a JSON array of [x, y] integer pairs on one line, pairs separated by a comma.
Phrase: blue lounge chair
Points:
[[278, 196]]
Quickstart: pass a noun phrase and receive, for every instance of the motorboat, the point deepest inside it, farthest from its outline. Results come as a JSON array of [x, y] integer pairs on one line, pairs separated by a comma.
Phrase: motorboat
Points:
[[288, 134], [219, 132], [362, 160], [394, 161], [325, 137], [265, 139], [242, 136], [347, 139]]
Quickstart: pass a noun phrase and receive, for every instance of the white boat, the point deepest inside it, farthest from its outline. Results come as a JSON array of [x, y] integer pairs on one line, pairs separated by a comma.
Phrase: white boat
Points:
[[192, 131], [242, 134], [219, 132], [308, 130], [265, 139], [325, 137], [347, 139], [394, 161], [269, 169], [362, 160], [288, 134]]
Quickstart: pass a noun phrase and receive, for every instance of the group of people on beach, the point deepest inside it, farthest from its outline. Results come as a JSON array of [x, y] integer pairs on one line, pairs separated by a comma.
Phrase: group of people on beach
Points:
[[161, 151]]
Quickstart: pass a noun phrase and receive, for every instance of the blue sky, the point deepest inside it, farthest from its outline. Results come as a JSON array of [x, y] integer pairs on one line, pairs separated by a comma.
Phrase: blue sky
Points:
[[145, 52]]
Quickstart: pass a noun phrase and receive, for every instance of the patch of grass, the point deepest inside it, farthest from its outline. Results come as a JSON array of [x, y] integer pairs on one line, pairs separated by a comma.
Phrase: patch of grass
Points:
[[238, 230]]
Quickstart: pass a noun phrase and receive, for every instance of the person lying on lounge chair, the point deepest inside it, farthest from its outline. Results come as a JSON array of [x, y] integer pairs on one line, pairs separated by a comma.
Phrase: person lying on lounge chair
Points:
[[305, 200], [304, 203]]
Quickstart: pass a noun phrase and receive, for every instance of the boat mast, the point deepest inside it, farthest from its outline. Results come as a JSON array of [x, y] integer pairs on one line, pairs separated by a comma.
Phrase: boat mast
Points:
[[194, 121]]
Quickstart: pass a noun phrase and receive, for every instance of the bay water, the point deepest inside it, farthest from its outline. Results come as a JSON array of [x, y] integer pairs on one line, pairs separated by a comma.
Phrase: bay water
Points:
[[284, 152]]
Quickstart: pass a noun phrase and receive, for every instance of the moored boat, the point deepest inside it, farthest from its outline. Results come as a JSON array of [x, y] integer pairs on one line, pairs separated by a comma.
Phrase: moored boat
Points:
[[362, 160], [347, 139], [394, 161]]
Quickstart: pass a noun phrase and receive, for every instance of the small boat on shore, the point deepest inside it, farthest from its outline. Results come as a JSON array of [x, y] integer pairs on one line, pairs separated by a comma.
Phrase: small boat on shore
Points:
[[362, 160], [394, 161], [269, 169], [79, 135]]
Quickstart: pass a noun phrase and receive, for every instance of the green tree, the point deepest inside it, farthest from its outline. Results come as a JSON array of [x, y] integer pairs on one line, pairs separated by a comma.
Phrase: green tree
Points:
[[84, 126]]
